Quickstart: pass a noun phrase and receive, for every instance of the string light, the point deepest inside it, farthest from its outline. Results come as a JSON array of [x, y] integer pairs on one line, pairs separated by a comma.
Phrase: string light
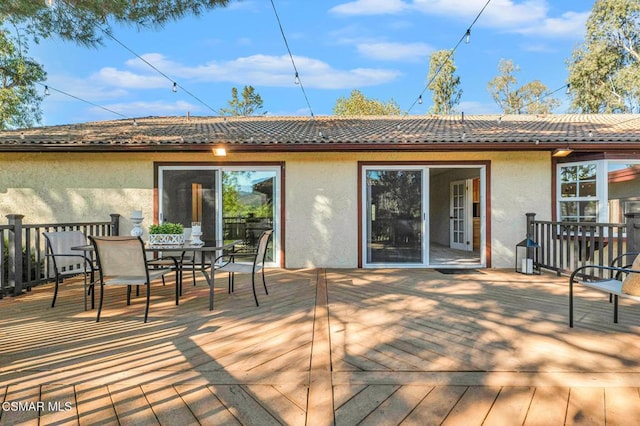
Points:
[[297, 76], [47, 92], [568, 91], [175, 84], [467, 37]]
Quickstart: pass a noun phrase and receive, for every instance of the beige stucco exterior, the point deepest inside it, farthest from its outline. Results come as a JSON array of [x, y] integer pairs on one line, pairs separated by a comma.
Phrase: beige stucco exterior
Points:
[[320, 193]]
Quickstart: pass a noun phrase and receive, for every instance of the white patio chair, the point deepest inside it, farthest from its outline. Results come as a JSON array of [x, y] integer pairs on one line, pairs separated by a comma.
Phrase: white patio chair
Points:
[[257, 265], [67, 262], [122, 261]]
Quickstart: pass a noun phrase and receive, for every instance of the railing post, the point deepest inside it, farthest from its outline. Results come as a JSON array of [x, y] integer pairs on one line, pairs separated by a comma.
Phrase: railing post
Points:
[[15, 252], [115, 224], [531, 217], [633, 232]]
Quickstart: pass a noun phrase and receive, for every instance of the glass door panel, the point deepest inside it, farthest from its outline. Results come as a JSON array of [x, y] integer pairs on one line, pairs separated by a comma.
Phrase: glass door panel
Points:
[[248, 206], [188, 195], [394, 223]]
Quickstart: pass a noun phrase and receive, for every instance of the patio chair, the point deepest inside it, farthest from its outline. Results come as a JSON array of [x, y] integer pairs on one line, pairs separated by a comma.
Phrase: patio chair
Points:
[[257, 265], [122, 261], [67, 262], [623, 281]]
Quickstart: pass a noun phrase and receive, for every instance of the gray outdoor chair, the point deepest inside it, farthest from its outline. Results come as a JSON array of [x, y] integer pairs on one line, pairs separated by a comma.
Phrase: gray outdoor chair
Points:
[[257, 265], [67, 262], [122, 261]]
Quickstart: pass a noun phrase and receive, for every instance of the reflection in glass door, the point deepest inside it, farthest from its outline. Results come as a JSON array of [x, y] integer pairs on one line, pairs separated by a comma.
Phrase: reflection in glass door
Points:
[[395, 210], [189, 195], [248, 206]]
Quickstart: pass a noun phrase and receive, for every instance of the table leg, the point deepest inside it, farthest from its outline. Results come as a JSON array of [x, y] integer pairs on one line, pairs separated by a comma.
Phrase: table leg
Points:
[[210, 277]]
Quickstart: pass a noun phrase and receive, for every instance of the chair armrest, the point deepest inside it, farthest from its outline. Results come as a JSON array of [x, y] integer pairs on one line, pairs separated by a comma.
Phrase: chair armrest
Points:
[[621, 257], [613, 269]]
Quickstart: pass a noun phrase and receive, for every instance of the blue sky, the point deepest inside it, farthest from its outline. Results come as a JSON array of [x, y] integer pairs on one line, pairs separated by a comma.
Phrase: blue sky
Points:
[[380, 47]]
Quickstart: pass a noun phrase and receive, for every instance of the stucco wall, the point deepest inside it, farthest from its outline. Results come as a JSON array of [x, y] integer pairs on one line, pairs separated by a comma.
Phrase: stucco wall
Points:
[[321, 206]]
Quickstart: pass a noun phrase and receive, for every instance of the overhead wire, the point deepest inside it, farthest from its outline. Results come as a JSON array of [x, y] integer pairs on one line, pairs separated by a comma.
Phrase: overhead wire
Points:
[[297, 80], [48, 88], [174, 82], [465, 36]]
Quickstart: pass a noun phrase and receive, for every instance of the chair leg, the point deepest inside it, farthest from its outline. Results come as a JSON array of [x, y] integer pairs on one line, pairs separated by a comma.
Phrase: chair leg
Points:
[[55, 291], [615, 308], [146, 310], [264, 282], [100, 303], [253, 285], [129, 294], [571, 304]]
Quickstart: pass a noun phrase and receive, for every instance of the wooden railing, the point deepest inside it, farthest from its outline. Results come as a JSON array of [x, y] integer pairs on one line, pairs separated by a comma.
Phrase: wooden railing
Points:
[[565, 246], [22, 258]]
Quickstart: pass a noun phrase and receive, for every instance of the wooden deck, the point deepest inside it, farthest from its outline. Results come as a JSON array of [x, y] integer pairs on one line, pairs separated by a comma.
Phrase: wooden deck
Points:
[[345, 347]]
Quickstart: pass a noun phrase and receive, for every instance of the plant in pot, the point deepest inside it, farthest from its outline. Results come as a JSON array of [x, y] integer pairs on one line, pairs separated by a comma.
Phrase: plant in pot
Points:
[[166, 233]]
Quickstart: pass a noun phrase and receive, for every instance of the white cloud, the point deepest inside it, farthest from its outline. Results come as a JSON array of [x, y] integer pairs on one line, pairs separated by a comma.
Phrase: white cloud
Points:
[[370, 7], [569, 25], [411, 52], [529, 17], [127, 79], [144, 109]]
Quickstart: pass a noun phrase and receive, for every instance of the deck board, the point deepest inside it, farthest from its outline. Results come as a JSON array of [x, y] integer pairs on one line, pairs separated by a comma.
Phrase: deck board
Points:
[[340, 346]]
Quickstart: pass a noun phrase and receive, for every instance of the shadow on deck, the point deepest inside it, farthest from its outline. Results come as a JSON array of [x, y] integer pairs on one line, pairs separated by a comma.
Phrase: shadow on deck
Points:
[[325, 347]]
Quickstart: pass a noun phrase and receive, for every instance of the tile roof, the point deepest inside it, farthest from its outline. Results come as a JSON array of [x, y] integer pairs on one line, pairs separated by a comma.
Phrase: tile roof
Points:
[[478, 132]]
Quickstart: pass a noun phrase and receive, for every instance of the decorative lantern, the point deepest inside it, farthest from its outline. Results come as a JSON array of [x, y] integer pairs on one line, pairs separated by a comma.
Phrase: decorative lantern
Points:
[[527, 254]]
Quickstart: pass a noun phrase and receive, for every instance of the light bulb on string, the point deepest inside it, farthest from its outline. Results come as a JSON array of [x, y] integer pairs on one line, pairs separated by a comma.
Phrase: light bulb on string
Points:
[[467, 36], [175, 87], [420, 99], [296, 80], [568, 91], [46, 91]]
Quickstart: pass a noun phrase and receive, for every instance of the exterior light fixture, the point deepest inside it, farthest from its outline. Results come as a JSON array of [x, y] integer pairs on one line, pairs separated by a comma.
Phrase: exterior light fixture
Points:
[[219, 151], [561, 152]]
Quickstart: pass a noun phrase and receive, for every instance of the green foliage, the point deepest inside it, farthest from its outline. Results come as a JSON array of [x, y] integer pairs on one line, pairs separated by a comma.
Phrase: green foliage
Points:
[[166, 228], [443, 83], [358, 104], [83, 21], [19, 96], [248, 105], [530, 98], [27, 275], [604, 72]]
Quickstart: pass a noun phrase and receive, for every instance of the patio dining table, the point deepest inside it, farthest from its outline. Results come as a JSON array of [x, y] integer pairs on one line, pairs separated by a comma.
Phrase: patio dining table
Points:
[[210, 248]]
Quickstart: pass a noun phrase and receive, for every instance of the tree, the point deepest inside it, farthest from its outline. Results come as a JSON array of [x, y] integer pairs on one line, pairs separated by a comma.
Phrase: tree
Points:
[[19, 97], [443, 82], [604, 71], [358, 104], [250, 102], [531, 98], [83, 21]]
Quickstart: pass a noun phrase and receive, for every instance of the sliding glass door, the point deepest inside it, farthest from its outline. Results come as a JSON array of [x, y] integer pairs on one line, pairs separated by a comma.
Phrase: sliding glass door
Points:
[[232, 203], [395, 209]]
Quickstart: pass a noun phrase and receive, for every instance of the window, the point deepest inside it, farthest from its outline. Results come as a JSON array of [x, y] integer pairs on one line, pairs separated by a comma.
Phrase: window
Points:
[[598, 191], [578, 193]]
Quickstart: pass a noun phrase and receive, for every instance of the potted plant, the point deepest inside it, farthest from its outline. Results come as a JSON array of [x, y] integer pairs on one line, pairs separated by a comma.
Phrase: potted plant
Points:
[[166, 233]]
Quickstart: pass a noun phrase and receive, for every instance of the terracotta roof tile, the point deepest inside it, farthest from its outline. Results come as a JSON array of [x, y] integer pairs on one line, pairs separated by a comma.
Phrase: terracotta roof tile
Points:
[[332, 132]]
